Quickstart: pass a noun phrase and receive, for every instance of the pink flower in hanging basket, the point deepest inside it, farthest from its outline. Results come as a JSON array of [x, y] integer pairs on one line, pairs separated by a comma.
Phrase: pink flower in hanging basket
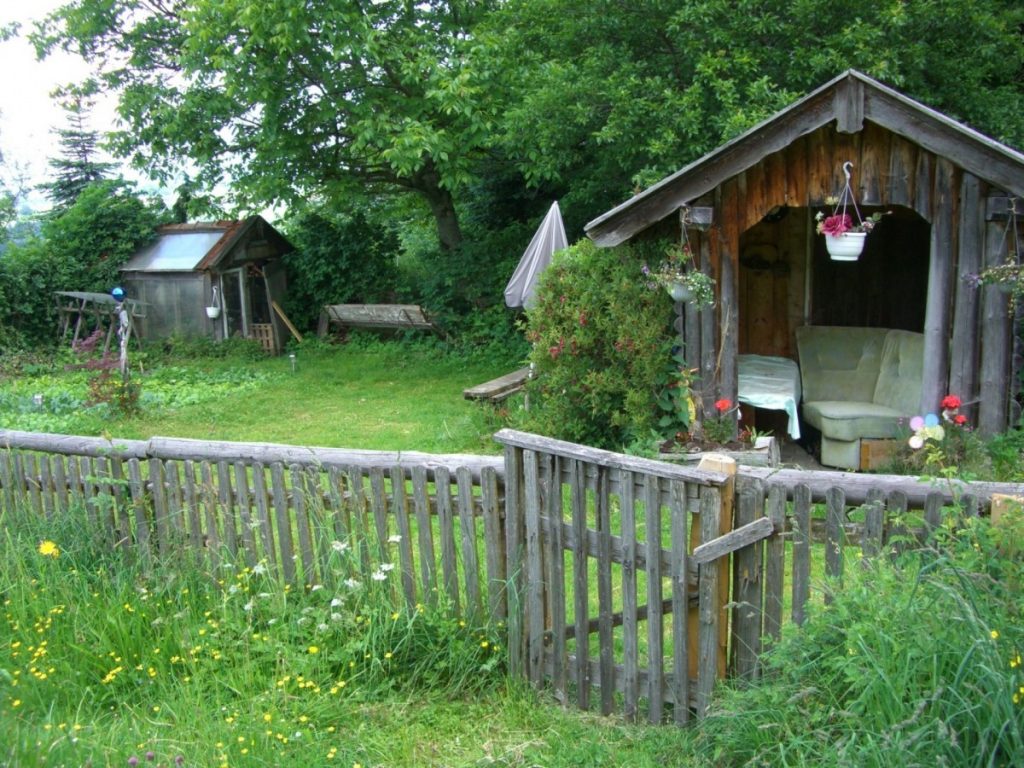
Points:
[[835, 225]]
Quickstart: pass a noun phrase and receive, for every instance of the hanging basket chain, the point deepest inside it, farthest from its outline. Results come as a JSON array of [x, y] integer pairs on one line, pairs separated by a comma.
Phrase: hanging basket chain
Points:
[[846, 196]]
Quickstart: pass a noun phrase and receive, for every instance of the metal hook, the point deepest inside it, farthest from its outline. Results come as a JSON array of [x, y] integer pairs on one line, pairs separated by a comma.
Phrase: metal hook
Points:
[[846, 170]]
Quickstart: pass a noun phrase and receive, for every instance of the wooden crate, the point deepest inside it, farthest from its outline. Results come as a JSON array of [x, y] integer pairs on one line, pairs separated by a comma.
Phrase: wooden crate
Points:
[[264, 334], [876, 453]]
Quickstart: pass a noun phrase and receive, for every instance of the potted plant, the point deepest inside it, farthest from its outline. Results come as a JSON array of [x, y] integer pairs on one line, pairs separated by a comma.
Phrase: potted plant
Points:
[[1008, 277], [681, 279], [844, 239]]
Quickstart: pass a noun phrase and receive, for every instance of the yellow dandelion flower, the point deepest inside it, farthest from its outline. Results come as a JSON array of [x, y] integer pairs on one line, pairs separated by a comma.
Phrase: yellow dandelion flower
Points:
[[994, 634], [387, 655], [267, 717], [48, 548], [484, 644], [156, 708], [314, 649], [16, 703]]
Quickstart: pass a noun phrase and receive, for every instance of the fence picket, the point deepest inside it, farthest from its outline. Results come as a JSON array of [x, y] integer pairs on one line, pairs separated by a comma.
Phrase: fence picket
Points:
[[606, 657], [137, 488], [226, 498], [446, 531], [581, 607], [7, 479], [119, 486], [160, 513], [932, 513], [630, 629], [208, 499], [775, 562], [400, 509], [801, 551], [467, 529], [247, 522], [835, 538], [46, 487], [494, 543], [874, 522], [655, 626], [534, 570], [282, 517], [60, 480], [379, 506], [556, 582], [707, 671], [360, 520], [191, 509], [300, 503], [680, 602], [424, 535], [31, 475], [514, 557]]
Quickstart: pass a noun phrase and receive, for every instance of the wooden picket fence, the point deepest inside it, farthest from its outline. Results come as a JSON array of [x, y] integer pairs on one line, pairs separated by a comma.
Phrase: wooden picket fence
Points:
[[283, 506], [628, 585]]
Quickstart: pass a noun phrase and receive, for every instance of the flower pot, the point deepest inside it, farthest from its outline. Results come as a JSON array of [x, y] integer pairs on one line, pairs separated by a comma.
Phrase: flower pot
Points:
[[845, 247], [679, 291], [213, 312]]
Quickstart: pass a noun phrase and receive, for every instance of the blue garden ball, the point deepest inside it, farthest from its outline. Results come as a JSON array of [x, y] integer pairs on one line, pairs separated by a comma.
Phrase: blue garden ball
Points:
[[118, 294]]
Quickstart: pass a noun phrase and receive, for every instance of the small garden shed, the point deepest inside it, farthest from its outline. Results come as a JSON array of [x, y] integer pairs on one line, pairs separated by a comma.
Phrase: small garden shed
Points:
[[951, 199], [216, 279]]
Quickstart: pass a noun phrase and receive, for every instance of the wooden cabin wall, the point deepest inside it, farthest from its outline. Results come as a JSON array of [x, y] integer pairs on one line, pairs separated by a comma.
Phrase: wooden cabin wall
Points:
[[968, 330]]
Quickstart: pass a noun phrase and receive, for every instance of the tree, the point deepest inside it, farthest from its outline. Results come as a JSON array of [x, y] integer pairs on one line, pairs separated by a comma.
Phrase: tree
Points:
[[292, 100], [77, 166], [610, 97]]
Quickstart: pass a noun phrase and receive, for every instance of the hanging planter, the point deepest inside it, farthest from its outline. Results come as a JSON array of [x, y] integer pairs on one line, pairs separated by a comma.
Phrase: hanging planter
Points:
[[845, 247], [845, 239], [213, 312], [679, 291]]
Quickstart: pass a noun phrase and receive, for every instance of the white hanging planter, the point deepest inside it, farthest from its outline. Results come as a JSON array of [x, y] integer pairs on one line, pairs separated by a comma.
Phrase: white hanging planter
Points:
[[845, 247], [679, 291], [213, 312]]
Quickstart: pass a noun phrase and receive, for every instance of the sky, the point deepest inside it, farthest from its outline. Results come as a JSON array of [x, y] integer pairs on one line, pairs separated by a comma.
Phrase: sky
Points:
[[27, 114]]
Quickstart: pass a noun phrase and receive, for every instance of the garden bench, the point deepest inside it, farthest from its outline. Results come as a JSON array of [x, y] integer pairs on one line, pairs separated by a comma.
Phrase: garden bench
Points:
[[498, 389], [375, 316]]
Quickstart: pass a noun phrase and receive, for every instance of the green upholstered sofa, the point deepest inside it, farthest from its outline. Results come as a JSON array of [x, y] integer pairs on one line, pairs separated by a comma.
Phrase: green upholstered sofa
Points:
[[858, 383]]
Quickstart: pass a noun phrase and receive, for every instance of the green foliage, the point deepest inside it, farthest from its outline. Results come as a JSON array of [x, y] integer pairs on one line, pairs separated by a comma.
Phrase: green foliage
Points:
[[601, 343], [77, 167], [913, 663], [340, 258]]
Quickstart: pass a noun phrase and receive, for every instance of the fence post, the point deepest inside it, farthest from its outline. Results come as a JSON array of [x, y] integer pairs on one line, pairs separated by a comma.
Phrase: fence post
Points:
[[835, 537], [514, 557], [747, 600]]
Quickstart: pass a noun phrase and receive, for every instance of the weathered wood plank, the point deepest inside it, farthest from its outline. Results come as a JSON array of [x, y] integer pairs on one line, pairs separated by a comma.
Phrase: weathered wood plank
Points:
[[226, 498], [556, 583], [494, 544], [602, 513], [467, 530], [748, 605], [60, 481], [378, 505], [46, 487], [534, 570], [655, 622], [630, 635], [744, 536], [261, 499], [360, 516], [380, 316], [902, 162], [500, 388], [160, 513], [282, 517], [679, 573], [400, 509], [7, 479], [707, 671], [935, 381], [515, 558], [446, 531], [137, 488], [835, 515], [300, 502], [964, 356], [933, 513], [996, 340], [801, 551], [580, 585], [35, 498], [424, 535], [775, 563], [191, 507], [175, 505], [208, 497], [874, 522]]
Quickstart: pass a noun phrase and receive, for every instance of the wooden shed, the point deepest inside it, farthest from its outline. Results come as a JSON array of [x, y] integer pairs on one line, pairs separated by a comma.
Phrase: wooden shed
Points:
[[949, 189], [217, 279]]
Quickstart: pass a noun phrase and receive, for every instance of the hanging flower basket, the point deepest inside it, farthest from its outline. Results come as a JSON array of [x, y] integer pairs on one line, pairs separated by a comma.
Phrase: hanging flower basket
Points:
[[847, 246], [213, 312], [844, 239]]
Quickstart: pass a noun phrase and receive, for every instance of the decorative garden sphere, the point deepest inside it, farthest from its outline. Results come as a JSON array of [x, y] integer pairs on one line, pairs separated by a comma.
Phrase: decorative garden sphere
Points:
[[118, 294]]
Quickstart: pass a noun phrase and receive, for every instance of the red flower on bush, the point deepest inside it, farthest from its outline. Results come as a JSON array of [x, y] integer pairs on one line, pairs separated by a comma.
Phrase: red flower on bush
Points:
[[960, 419], [723, 405], [950, 402]]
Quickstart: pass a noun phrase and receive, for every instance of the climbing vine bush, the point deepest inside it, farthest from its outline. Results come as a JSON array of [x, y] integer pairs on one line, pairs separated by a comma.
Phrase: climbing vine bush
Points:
[[601, 343]]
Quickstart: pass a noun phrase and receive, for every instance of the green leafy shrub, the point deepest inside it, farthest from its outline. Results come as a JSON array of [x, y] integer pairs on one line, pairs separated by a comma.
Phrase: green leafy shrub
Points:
[[602, 342]]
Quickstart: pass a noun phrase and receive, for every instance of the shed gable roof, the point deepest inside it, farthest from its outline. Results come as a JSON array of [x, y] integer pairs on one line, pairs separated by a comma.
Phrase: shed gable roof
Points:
[[198, 245], [849, 99]]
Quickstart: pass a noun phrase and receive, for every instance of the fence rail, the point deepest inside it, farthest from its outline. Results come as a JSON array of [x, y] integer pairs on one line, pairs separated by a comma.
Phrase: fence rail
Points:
[[628, 585]]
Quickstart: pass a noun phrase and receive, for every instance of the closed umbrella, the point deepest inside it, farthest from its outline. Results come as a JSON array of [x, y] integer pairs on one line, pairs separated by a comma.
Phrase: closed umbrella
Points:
[[549, 237]]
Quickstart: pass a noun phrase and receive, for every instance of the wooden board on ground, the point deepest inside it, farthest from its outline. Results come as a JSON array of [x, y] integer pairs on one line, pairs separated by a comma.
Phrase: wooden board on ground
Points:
[[498, 389], [876, 453], [375, 316]]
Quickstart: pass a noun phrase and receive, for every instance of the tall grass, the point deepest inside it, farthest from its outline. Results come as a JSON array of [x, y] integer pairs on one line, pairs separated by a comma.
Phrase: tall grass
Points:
[[101, 661], [916, 663]]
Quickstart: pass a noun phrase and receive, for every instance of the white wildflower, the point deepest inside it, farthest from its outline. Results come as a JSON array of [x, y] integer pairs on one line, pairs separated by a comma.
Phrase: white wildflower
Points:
[[353, 583], [394, 539], [387, 567], [378, 575], [233, 589], [336, 617], [336, 602], [247, 607], [317, 587], [304, 621], [339, 546], [259, 569], [322, 627]]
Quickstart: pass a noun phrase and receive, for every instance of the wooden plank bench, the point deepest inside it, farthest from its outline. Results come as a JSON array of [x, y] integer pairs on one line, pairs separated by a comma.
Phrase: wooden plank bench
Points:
[[375, 316], [498, 389]]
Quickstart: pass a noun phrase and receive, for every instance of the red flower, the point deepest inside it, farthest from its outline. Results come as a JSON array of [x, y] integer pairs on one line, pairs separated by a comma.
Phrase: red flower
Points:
[[950, 402], [960, 419], [836, 225], [723, 405]]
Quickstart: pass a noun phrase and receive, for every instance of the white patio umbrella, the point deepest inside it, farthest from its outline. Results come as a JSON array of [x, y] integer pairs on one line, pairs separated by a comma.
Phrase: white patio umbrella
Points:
[[549, 237]]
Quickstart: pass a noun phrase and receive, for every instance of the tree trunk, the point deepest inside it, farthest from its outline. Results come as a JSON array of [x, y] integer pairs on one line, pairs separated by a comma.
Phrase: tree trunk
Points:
[[428, 182]]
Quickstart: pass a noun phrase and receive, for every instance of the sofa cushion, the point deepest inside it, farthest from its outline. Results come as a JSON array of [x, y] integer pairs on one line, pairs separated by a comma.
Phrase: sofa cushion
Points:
[[843, 420], [902, 372], [838, 363]]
